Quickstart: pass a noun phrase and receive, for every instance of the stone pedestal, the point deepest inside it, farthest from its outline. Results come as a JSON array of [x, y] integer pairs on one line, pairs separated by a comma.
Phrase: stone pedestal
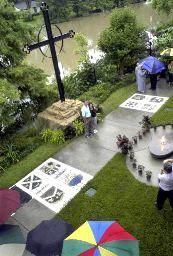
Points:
[[60, 114]]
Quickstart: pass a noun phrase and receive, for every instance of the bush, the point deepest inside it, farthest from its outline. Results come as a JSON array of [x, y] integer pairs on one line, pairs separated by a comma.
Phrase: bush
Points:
[[79, 127], [46, 135], [51, 136], [57, 137], [98, 93]]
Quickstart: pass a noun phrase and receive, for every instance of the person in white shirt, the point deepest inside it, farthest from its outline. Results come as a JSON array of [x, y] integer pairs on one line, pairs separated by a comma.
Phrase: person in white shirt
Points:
[[165, 179], [86, 114]]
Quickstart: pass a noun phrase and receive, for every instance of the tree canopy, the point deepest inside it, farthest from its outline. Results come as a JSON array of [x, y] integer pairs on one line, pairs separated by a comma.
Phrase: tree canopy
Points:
[[17, 80], [122, 41], [163, 5]]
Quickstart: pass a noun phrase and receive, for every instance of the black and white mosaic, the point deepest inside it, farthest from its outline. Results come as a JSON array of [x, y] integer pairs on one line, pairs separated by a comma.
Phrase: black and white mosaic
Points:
[[54, 183], [147, 103]]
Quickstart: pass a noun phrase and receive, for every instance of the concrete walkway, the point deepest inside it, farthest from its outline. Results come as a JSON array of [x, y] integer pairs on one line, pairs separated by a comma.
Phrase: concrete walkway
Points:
[[90, 154]]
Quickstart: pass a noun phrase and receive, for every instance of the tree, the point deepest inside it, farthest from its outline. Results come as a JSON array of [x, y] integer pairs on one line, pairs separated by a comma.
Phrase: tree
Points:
[[122, 41], [163, 5], [14, 34], [17, 80]]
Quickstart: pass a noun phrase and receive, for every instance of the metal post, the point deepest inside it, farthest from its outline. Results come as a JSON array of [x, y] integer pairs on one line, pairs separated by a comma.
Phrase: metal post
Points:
[[44, 9]]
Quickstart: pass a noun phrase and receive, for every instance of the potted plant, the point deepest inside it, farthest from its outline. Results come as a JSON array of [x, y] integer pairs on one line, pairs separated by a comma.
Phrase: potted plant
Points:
[[148, 175], [134, 139], [146, 123], [124, 144], [134, 164], [139, 135], [131, 154], [140, 169]]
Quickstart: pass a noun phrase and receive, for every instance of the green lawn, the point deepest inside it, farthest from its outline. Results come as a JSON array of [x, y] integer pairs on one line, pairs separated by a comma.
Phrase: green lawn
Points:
[[19, 170], [164, 115], [118, 97], [121, 197]]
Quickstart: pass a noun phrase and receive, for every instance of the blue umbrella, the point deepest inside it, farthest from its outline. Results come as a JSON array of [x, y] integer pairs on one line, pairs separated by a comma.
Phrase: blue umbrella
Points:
[[47, 238], [152, 65]]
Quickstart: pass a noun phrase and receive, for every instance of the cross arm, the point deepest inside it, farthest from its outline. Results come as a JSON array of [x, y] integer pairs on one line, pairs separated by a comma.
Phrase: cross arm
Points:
[[29, 48]]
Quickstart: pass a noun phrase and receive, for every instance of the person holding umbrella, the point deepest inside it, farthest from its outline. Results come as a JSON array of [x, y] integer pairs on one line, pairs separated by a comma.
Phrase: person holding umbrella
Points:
[[153, 66]]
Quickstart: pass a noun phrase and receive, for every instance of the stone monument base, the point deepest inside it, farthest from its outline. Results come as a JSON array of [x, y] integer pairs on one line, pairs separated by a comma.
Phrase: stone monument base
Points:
[[61, 114]]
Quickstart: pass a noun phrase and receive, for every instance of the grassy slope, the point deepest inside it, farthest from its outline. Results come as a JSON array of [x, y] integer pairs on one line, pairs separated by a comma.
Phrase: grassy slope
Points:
[[164, 115], [120, 197], [117, 97], [19, 170]]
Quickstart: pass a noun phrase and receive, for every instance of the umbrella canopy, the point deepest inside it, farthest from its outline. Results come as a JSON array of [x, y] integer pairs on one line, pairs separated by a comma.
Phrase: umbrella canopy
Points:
[[167, 53], [100, 238], [9, 202], [12, 242], [152, 65], [47, 238]]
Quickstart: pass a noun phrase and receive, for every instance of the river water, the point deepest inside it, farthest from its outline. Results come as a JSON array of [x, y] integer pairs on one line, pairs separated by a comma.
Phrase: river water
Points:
[[91, 27]]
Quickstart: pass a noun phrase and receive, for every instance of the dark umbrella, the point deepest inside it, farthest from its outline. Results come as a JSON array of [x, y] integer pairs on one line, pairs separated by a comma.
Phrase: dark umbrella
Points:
[[47, 238], [9, 202], [152, 65], [11, 240]]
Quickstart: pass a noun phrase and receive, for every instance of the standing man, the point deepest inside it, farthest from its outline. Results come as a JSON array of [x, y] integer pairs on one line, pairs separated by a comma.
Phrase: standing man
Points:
[[165, 184], [86, 114], [153, 81]]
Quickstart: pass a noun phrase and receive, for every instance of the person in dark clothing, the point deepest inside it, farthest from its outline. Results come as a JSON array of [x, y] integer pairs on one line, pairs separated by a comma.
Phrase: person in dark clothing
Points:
[[153, 81], [93, 111]]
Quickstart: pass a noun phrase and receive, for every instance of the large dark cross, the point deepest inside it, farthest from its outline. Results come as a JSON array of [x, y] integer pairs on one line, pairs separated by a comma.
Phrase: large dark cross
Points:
[[51, 42]]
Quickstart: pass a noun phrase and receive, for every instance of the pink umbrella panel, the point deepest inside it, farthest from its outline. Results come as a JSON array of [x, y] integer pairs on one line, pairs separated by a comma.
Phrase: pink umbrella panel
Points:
[[9, 203]]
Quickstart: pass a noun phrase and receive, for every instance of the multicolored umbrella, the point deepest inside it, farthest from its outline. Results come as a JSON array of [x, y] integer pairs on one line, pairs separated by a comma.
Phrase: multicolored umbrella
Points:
[[167, 53], [11, 240], [9, 202], [100, 238]]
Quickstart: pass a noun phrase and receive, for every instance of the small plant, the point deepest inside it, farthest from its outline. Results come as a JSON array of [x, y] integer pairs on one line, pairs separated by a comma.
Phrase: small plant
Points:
[[46, 135], [134, 140], [57, 137], [2, 170], [140, 169], [51, 136], [139, 135], [131, 155], [134, 164], [79, 127], [11, 154], [124, 144], [146, 123], [148, 175]]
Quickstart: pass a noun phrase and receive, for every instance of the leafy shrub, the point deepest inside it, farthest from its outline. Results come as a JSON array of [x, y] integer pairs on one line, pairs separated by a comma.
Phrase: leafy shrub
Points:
[[46, 135], [97, 93], [51, 136], [57, 137], [79, 127], [11, 154]]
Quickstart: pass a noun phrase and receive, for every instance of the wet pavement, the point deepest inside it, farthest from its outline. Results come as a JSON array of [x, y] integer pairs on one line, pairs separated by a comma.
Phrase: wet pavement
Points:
[[91, 154]]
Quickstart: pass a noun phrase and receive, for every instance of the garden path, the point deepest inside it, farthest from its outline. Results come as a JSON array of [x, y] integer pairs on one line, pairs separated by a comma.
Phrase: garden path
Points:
[[89, 154]]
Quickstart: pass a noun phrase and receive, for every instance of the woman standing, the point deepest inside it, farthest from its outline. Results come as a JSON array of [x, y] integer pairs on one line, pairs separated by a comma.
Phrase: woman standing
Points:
[[140, 78]]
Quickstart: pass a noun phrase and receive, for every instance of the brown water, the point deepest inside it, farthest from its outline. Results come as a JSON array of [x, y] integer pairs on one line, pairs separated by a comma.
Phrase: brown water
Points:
[[91, 27]]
